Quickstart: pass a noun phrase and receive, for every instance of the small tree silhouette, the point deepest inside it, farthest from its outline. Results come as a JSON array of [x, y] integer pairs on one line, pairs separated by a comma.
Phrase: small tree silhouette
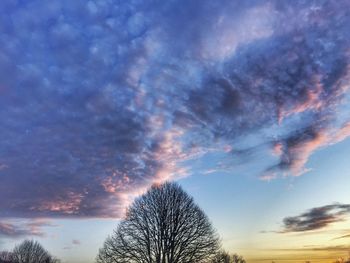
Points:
[[225, 257], [30, 251], [222, 257], [6, 257]]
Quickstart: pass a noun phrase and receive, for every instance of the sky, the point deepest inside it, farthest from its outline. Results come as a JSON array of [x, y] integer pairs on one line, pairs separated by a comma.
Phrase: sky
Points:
[[244, 103]]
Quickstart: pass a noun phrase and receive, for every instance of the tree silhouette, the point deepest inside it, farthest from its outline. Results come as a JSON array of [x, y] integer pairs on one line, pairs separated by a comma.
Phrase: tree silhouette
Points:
[[6, 257], [30, 251], [162, 226], [225, 257], [237, 259], [222, 257], [342, 260]]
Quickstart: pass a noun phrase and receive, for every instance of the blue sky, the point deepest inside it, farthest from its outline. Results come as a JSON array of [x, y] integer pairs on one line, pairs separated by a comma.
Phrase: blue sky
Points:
[[244, 103]]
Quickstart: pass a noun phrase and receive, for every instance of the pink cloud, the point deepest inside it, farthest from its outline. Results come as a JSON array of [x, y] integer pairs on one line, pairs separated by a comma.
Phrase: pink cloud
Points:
[[69, 205], [342, 133], [312, 102], [19, 229], [301, 152]]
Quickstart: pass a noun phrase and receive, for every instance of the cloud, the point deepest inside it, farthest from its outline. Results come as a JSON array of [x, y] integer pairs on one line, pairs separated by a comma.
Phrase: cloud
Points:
[[342, 237], [76, 242], [10, 229], [316, 218], [340, 248], [101, 99], [7, 229]]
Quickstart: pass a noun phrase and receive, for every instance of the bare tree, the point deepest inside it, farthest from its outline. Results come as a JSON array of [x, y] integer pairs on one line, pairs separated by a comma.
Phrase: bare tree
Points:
[[225, 257], [237, 259], [162, 226], [222, 257], [30, 251], [6, 257]]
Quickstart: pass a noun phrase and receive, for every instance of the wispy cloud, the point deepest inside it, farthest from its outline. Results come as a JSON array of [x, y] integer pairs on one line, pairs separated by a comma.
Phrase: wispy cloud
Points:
[[340, 248], [76, 242], [316, 218], [342, 237], [15, 229]]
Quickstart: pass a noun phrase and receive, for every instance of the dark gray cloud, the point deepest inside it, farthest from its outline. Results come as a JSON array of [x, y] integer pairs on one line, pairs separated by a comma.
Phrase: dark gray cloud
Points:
[[99, 99], [76, 242], [316, 218]]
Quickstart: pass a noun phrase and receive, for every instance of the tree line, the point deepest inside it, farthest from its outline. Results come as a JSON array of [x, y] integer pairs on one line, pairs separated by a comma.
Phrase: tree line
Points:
[[164, 225]]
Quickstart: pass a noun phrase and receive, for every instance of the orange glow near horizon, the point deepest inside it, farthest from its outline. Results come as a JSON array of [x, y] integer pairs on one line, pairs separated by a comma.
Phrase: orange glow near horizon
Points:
[[319, 246]]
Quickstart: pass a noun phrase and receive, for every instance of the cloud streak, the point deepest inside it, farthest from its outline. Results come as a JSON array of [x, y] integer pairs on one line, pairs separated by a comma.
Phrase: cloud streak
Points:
[[316, 218], [101, 99], [342, 237], [76, 242], [19, 230]]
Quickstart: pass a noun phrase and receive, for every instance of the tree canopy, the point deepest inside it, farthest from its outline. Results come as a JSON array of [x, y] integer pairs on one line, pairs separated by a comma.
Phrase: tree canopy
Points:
[[162, 226], [28, 251]]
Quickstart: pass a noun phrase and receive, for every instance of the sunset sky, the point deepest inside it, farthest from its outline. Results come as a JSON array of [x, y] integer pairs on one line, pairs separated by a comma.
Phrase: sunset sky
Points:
[[245, 103]]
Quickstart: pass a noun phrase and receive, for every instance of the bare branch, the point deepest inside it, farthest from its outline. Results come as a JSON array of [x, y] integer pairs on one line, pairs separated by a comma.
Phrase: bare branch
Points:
[[162, 226]]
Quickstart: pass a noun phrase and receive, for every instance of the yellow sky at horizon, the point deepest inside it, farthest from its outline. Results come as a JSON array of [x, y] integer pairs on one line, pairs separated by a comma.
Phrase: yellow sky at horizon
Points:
[[319, 246]]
